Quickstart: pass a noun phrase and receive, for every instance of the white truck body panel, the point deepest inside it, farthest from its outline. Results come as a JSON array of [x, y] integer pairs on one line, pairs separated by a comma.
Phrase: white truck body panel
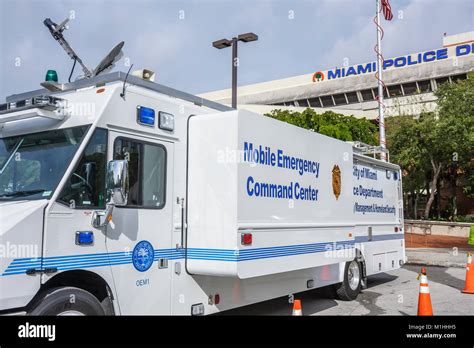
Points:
[[290, 230], [17, 248], [378, 206]]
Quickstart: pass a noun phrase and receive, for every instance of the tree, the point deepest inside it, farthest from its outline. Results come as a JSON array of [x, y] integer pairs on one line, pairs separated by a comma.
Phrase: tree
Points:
[[456, 114], [346, 128], [433, 150], [405, 150]]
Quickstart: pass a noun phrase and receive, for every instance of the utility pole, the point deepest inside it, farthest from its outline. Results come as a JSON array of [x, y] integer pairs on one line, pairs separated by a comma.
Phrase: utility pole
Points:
[[235, 64], [380, 86], [223, 43]]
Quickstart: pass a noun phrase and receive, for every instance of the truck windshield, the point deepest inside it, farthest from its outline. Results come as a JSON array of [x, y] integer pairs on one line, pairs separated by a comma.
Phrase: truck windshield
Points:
[[32, 165]]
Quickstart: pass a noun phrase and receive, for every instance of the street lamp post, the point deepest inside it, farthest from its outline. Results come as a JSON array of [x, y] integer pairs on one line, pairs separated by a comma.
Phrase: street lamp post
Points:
[[223, 43], [235, 64]]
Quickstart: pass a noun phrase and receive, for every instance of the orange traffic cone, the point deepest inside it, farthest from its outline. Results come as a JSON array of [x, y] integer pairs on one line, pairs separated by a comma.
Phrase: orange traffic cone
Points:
[[297, 308], [424, 299], [469, 289]]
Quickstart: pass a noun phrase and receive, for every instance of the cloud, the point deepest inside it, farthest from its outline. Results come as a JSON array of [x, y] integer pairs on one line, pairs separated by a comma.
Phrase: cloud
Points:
[[321, 34], [417, 26]]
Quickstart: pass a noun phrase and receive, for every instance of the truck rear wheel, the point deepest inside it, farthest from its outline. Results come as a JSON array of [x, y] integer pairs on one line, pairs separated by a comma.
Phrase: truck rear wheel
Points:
[[350, 287], [67, 301]]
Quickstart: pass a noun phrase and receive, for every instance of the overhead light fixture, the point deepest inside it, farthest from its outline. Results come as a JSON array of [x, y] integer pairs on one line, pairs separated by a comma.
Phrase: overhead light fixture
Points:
[[219, 44], [223, 43], [248, 37]]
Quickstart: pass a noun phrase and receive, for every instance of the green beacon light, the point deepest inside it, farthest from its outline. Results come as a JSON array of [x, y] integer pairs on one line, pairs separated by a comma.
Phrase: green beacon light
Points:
[[51, 75]]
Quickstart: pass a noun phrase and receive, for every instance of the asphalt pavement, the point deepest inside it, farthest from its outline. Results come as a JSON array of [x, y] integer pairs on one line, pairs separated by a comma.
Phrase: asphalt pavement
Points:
[[444, 257]]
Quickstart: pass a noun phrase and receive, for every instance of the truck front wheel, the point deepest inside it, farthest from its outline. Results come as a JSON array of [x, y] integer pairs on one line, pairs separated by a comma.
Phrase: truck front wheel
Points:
[[350, 287], [66, 301]]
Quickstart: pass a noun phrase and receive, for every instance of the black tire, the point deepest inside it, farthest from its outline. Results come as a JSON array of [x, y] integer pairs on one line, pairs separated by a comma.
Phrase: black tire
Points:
[[58, 301], [343, 290]]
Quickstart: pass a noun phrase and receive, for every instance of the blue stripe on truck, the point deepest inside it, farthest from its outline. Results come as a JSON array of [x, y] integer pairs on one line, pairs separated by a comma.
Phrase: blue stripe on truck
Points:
[[83, 261], [379, 237]]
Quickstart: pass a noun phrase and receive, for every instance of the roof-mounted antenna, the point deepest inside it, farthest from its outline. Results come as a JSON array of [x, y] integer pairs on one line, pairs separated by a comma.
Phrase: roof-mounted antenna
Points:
[[106, 64], [57, 33], [124, 82]]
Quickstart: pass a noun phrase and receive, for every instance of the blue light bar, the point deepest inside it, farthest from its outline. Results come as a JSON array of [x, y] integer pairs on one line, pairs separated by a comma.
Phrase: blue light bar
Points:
[[84, 237], [145, 116]]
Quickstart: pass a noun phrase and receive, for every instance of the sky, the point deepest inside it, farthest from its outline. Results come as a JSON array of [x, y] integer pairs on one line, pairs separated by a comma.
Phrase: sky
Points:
[[174, 38]]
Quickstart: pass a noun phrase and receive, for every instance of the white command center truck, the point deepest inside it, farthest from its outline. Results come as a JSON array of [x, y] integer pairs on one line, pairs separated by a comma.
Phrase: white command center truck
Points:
[[130, 197]]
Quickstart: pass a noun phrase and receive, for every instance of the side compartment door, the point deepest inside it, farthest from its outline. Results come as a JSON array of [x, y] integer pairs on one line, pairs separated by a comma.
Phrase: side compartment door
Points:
[[139, 235]]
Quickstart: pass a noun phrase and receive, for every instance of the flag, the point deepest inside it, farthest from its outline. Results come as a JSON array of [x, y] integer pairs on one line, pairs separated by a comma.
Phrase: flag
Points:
[[387, 10]]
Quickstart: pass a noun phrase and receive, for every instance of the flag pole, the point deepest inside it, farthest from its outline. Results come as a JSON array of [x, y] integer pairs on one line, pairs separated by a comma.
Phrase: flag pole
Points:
[[380, 85]]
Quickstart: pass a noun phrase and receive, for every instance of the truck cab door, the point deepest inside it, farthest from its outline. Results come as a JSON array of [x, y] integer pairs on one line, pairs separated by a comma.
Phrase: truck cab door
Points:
[[138, 238]]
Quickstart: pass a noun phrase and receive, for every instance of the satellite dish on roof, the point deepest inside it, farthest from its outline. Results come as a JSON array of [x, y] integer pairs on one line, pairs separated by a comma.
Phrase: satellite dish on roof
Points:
[[106, 64], [109, 61]]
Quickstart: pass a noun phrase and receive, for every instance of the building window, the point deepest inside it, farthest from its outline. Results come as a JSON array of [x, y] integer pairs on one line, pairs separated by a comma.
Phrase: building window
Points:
[[455, 78], [424, 86], [376, 93], [409, 88], [352, 97], [147, 172], [395, 91], [442, 80], [340, 99], [303, 103], [327, 101], [315, 102], [367, 95]]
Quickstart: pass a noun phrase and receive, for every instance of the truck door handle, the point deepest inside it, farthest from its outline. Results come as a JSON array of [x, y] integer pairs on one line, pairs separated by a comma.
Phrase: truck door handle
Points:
[[162, 263], [33, 271]]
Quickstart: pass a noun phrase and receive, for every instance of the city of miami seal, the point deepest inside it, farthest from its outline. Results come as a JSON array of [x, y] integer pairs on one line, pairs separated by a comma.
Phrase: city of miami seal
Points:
[[142, 256]]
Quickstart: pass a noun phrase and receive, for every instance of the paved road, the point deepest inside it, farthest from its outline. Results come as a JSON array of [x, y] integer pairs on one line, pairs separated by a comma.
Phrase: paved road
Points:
[[442, 257], [394, 293]]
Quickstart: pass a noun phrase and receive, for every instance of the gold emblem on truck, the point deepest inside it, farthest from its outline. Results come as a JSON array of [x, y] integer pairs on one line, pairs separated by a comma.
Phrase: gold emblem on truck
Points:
[[336, 181]]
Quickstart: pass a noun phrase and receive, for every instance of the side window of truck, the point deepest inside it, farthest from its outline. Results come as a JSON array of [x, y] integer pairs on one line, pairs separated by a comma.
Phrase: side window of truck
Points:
[[147, 172], [86, 185]]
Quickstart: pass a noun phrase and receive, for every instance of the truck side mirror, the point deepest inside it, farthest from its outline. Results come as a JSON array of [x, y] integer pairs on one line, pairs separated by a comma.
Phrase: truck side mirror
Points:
[[117, 182], [117, 192]]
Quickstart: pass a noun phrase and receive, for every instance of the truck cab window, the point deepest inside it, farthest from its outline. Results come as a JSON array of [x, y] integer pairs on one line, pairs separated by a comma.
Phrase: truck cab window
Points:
[[86, 185], [31, 165], [147, 171]]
